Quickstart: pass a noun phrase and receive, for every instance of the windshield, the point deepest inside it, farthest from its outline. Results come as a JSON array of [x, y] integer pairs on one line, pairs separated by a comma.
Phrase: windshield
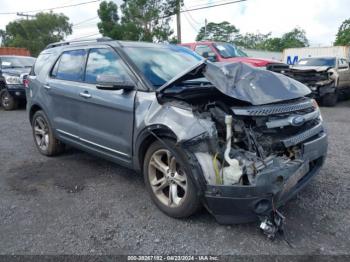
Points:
[[317, 62], [229, 50], [16, 62], [159, 64]]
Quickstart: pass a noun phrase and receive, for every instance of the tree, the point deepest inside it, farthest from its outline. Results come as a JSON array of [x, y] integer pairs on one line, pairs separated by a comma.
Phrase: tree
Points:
[[140, 20], [110, 21], [222, 32], [343, 35], [295, 38], [35, 34], [252, 41]]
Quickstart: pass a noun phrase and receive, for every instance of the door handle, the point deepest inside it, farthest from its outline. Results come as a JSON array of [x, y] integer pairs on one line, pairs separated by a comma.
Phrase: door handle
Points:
[[85, 94], [47, 87]]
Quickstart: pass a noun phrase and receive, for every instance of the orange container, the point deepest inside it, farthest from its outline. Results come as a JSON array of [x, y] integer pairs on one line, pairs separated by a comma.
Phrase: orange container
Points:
[[14, 51]]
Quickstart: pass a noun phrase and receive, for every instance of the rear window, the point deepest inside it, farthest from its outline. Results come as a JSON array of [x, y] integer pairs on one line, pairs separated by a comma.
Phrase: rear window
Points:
[[70, 66]]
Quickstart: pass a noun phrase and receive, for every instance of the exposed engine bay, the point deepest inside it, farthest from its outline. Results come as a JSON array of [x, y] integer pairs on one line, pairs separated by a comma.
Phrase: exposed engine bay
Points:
[[255, 135]]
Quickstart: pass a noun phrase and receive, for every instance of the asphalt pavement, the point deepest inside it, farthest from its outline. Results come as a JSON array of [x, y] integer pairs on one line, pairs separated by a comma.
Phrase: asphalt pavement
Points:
[[79, 204]]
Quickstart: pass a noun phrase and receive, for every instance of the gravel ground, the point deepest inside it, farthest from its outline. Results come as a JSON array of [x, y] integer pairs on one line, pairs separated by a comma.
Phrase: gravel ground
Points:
[[79, 204]]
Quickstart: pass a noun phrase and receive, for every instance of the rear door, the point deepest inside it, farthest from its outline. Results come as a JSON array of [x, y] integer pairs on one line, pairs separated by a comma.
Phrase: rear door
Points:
[[107, 116], [63, 88]]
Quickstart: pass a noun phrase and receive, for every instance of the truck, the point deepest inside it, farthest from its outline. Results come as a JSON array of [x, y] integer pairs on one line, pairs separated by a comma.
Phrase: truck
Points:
[[325, 70], [229, 52], [292, 55]]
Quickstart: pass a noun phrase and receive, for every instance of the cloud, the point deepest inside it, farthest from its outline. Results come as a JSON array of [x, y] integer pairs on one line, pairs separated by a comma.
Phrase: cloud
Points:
[[320, 18]]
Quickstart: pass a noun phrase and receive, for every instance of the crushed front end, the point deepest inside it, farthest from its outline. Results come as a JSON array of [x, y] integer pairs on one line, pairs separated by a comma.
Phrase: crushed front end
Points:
[[321, 81], [256, 136], [279, 148]]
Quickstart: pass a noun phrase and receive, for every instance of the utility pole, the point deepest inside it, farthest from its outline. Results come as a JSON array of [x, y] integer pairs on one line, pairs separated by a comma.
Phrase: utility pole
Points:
[[178, 20], [26, 15], [205, 28]]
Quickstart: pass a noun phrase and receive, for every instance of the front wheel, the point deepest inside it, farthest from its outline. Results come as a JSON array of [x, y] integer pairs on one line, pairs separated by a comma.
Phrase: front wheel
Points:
[[169, 180], [7, 101], [44, 138]]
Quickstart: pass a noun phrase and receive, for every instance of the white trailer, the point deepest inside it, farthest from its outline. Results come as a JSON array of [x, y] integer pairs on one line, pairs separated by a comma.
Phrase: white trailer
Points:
[[293, 55]]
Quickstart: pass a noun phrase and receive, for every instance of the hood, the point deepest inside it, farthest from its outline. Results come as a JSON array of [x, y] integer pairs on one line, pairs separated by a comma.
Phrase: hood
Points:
[[258, 62], [245, 83], [16, 71], [311, 68]]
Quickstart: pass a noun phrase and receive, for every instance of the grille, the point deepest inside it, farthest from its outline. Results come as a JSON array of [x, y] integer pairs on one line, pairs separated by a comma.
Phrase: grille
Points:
[[273, 109]]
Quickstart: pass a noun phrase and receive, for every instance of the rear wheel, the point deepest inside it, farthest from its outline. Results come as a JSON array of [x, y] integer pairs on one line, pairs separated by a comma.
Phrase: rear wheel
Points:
[[329, 99], [44, 139], [168, 178], [7, 101]]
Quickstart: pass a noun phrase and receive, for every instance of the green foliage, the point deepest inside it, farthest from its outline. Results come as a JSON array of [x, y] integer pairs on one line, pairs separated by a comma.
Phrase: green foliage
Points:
[[140, 20], [294, 38], [343, 35], [35, 34], [221, 32], [252, 41]]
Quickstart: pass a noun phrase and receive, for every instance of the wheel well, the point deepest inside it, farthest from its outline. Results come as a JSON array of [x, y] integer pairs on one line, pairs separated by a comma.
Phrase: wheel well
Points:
[[150, 139], [33, 110]]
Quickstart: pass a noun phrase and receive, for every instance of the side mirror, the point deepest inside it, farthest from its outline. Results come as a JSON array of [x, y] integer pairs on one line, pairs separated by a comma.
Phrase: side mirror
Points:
[[111, 82], [211, 56]]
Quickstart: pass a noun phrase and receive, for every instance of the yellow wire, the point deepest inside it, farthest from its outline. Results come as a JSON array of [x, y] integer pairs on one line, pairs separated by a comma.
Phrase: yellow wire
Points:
[[216, 169]]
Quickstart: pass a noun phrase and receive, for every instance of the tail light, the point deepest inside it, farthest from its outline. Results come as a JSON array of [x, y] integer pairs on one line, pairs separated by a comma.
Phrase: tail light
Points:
[[26, 82]]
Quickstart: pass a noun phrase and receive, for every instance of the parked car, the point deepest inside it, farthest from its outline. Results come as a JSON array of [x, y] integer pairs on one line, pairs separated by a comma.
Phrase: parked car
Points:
[[239, 140], [327, 77], [228, 52], [12, 71]]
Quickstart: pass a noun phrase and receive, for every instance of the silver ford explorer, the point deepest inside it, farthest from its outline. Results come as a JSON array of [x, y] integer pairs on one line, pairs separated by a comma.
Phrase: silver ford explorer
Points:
[[239, 140]]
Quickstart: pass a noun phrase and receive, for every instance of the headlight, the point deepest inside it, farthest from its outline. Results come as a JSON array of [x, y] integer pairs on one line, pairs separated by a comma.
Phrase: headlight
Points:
[[12, 80], [316, 107]]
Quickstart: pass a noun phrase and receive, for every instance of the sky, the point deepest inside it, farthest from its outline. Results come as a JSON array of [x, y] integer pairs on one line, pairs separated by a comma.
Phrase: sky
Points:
[[319, 18]]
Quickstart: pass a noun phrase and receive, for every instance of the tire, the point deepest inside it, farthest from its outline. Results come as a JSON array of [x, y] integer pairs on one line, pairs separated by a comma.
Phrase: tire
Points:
[[329, 99], [44, 138], [179, 203], [8, 102]]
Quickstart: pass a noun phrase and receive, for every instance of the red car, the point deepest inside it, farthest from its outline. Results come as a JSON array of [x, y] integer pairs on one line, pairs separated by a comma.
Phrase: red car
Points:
[[227, 52]]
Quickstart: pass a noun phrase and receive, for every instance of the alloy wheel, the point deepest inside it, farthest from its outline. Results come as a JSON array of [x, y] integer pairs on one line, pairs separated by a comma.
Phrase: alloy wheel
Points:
[[167, 178], [41, 133]]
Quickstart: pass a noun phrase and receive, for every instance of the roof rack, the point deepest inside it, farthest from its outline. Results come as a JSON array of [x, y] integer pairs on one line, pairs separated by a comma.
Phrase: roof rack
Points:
[[101, 39]]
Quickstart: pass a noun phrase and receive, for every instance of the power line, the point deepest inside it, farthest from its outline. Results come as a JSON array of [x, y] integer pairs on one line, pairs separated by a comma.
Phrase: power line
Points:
[[49, 9], [210, 6], [84, 21]]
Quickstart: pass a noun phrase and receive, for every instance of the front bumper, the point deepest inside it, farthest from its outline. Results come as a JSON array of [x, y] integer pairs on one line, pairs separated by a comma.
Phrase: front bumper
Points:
[[319, 91], [240, 204], [17, 91]]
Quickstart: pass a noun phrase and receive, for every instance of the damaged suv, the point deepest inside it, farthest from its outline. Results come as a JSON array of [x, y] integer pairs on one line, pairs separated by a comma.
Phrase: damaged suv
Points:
[[239, 140]]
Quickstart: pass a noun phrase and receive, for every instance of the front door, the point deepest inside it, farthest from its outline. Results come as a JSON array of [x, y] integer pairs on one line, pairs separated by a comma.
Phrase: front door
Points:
[[107, 116]]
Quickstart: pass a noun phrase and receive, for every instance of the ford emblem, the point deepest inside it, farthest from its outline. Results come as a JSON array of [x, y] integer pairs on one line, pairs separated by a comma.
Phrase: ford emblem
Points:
[[298, 120]]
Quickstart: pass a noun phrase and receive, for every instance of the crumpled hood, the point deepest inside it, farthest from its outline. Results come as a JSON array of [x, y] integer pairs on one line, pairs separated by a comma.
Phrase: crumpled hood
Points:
[[253, 85], [244, 82], [311, 68]]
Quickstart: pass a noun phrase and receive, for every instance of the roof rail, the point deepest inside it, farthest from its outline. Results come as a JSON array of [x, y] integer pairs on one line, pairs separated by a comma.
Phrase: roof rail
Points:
[[101, 39]]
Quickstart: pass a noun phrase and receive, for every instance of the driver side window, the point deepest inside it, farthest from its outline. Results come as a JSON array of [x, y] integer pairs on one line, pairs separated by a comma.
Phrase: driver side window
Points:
[[102, 61], [202, 49]]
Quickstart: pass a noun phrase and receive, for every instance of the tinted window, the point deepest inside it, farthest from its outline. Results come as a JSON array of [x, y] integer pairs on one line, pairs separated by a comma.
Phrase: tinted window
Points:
[[317, 62], [201, 49], [229, 50], [16, 61], [104, 62], [70, 66], [161, 64]]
